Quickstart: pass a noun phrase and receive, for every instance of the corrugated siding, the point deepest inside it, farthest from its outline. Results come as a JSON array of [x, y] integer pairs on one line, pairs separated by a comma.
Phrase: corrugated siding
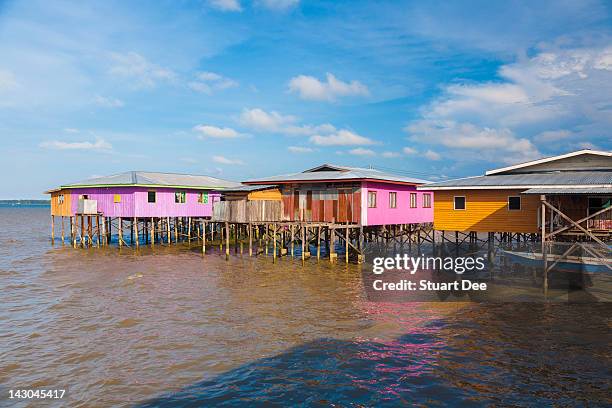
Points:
[[486, 211], [403, 213], [339, 203], [64, 209]]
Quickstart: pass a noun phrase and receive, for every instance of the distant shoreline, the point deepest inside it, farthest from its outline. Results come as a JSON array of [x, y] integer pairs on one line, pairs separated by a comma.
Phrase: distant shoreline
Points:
[[25, 203]]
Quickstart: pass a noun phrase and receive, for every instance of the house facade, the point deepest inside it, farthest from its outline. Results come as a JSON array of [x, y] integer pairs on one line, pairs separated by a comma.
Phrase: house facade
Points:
[[140, 195], [508, 199], [338, 194]]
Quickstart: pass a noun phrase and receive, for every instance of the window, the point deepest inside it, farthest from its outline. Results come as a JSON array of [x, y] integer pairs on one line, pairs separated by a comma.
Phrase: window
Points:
[[60, 199], [117, 198], [179, 197], [151, 197], [514, 203], [203, 197], [371, 199], [83, 196], [392, 200], [426, 200], [413, 200], [459, 203]]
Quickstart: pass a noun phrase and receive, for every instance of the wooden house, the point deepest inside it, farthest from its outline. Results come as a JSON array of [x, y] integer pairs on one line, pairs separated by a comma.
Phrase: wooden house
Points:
[[244, 204], [138, 194], [510, 199], [339, 194]]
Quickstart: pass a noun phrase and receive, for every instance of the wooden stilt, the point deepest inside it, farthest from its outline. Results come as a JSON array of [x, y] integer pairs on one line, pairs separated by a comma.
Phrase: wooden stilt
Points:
[[203, 237], [544, 248], [135, 231], [318, 242], [250, 240], [175, 230], [62, 229], [52, 229], [227, 241], [121, 242], [303, 242], [274, 244], [152, 231], [292, 241], [98, 229], [346, 244]]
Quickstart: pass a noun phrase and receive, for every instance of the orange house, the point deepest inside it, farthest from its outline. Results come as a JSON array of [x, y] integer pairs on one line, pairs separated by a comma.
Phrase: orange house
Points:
[[60, 202], [508, 199]]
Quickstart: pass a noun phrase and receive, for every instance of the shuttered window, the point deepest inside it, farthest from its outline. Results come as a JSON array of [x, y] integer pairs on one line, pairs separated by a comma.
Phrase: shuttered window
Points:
[[392, 200], [203, 197], [151, 198], [371, 199], [179, 197], [117, 198], [426, 200], [413, 200]]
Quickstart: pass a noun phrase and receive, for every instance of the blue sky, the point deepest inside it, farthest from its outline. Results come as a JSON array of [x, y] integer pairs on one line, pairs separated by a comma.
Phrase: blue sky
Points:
[[240, 89]]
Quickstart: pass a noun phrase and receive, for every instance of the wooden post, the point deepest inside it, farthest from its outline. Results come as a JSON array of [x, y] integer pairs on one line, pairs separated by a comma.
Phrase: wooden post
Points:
[[292, 241], [250, 240], [52, 229], [544, 254], [62, 229], [135, 230], [274, 244], [175, 230], [189, 230], [303, 241], [203, 237], [120, 232], [105, 241], [346, 244], [72, 233], [98, 228], [152, 231], [227, 241], [82, 229], [332, 247], [318, 242]]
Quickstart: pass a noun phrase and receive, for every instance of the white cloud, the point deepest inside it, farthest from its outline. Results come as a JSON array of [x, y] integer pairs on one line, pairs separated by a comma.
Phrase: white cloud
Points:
[[139, 70], [360, 151], [99, 144], [431, 155], [206, 82], [279, 4], [300, 149], [7, 80], [409, 151], [560, 95], [108, 102], [553, 135], [225, 160], [216, 132], [341, 138], [260, 120], [390, 155], [311, 88], [226, 5]]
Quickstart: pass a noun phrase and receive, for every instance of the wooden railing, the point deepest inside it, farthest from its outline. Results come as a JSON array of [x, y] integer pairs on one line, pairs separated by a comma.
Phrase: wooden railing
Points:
[[248, 211]]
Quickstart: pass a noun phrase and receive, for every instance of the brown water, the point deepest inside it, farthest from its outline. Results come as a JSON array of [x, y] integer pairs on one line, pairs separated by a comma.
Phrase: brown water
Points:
[[170, 327]]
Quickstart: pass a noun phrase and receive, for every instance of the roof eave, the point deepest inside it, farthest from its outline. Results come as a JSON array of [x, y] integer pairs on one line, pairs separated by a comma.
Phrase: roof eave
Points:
[[513, 187], [547, 160]]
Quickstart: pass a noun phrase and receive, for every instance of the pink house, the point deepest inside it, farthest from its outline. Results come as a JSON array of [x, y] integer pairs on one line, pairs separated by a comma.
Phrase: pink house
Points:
[[139, 194], [339, 194]]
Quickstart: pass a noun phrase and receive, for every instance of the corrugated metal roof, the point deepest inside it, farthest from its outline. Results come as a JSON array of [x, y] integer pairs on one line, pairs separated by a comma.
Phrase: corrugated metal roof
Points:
[[349, 173], [577, 178], [155, 179], [251, 188], [592, 190]]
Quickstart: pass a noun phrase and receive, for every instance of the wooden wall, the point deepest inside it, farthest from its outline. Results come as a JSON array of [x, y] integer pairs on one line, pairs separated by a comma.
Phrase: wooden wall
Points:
[[64, 209], [322, 202], [486, 211]]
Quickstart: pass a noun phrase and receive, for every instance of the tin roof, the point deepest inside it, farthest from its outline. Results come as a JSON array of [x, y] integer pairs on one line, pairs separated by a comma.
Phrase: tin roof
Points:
[[566, 179], [150, 179], [247, 188], [553, 191], [329, 172]]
